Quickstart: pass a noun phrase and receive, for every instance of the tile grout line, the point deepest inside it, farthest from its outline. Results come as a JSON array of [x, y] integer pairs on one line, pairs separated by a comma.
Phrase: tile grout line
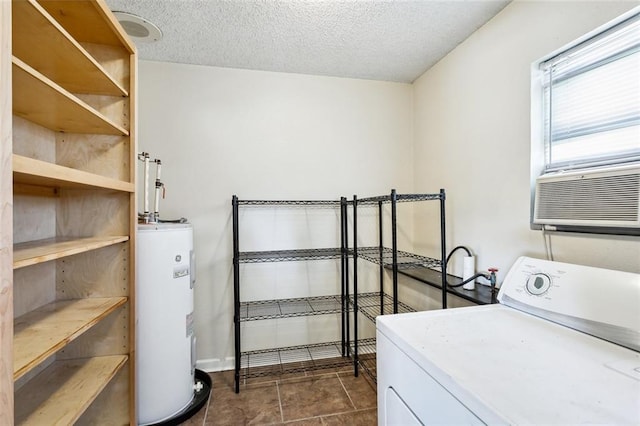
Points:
[[347, 392], [279, 401], [320, 416], [206, 409]]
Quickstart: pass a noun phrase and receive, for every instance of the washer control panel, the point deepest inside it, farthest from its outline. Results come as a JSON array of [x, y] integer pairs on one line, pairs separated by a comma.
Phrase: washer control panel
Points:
[[600, 301]]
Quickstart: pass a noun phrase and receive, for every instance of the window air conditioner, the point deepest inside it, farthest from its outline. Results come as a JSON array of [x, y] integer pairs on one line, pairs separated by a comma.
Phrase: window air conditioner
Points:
[[604, 198]]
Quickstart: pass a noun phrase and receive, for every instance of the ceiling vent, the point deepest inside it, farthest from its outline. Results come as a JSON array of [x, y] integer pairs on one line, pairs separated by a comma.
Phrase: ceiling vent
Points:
[[599, 198], [138, 28]]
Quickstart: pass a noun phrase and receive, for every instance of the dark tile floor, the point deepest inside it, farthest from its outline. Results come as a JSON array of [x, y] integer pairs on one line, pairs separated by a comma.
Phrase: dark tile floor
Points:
[[307, 398]]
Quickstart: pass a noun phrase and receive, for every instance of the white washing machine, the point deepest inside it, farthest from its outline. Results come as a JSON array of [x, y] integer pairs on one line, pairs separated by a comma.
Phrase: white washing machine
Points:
[[562, 347]]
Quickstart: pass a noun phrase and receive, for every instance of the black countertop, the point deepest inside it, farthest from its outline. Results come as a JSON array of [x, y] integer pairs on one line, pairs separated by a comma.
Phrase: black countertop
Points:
[[480, 295]]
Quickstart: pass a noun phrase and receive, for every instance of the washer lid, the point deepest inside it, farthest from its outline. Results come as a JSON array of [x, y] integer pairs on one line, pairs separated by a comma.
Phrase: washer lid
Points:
[[503, 363]]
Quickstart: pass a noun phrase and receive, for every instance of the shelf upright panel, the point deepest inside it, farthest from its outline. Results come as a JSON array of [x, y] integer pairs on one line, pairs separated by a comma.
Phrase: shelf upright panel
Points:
[[6, 220]]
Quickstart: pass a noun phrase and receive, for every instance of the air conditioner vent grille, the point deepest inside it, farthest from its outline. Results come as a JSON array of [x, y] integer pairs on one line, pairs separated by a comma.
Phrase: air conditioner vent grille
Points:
[[596, 199]]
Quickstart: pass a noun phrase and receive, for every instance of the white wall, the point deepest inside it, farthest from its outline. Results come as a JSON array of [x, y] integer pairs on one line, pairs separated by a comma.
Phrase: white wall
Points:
[[463, 126], [472, 137], [263, 135]]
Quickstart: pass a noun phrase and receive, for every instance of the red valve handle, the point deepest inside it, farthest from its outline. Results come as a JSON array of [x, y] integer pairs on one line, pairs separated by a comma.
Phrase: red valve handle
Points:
[[492, 269]]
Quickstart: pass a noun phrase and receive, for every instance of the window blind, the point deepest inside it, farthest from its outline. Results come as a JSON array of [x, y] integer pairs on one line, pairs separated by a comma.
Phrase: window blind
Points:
[[592, 100]]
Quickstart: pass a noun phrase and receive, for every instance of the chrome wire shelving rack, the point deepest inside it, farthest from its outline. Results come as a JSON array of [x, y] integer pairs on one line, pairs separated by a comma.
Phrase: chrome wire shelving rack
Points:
[[284, 360], [377, 303], [360, 353]]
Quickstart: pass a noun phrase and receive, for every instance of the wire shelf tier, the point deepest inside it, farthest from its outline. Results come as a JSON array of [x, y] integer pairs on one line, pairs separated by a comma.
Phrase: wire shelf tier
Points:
[[291, 203], [369, 305], [400, 198], [367, 357], [288, 308], [289, 255], [406, 260], [294, 359]]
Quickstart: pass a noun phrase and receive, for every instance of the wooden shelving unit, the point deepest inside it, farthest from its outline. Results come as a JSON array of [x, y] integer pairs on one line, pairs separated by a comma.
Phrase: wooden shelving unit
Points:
[[67, 76]]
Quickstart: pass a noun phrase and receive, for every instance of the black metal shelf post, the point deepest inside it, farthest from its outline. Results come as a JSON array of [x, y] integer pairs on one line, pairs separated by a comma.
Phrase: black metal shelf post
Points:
[[236, 291], [381, 266], [394, 248], [344, 245], [355, 285], [282, 360], [443, 250]]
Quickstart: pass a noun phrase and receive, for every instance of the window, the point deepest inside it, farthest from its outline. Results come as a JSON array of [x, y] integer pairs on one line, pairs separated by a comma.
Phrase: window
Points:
[[590, 99], [585, 133]]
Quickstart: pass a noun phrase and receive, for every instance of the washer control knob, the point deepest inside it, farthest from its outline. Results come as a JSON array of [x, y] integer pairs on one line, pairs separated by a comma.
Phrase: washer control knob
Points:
[[538, 284]]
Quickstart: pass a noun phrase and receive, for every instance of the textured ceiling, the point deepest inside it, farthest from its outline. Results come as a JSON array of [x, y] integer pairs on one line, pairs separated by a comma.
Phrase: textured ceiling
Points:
[[367, 39]]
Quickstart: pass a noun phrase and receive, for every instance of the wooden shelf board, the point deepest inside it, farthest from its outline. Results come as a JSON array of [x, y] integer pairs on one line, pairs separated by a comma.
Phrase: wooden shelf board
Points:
[[34, 190], [89, 22], [34, 252], [44, 44], [42, 332], [62, 392], [38, 99], [36, 172]]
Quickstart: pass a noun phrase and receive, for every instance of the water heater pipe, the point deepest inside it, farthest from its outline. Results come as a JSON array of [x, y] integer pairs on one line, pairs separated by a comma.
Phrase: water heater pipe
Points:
[[144, 157], [159, 185]]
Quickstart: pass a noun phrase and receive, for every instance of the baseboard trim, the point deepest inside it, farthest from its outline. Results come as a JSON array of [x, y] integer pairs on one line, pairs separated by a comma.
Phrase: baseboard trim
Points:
[[213, 365]]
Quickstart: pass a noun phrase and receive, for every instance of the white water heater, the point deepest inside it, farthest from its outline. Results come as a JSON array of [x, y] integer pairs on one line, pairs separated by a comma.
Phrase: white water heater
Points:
[[165, 352]]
